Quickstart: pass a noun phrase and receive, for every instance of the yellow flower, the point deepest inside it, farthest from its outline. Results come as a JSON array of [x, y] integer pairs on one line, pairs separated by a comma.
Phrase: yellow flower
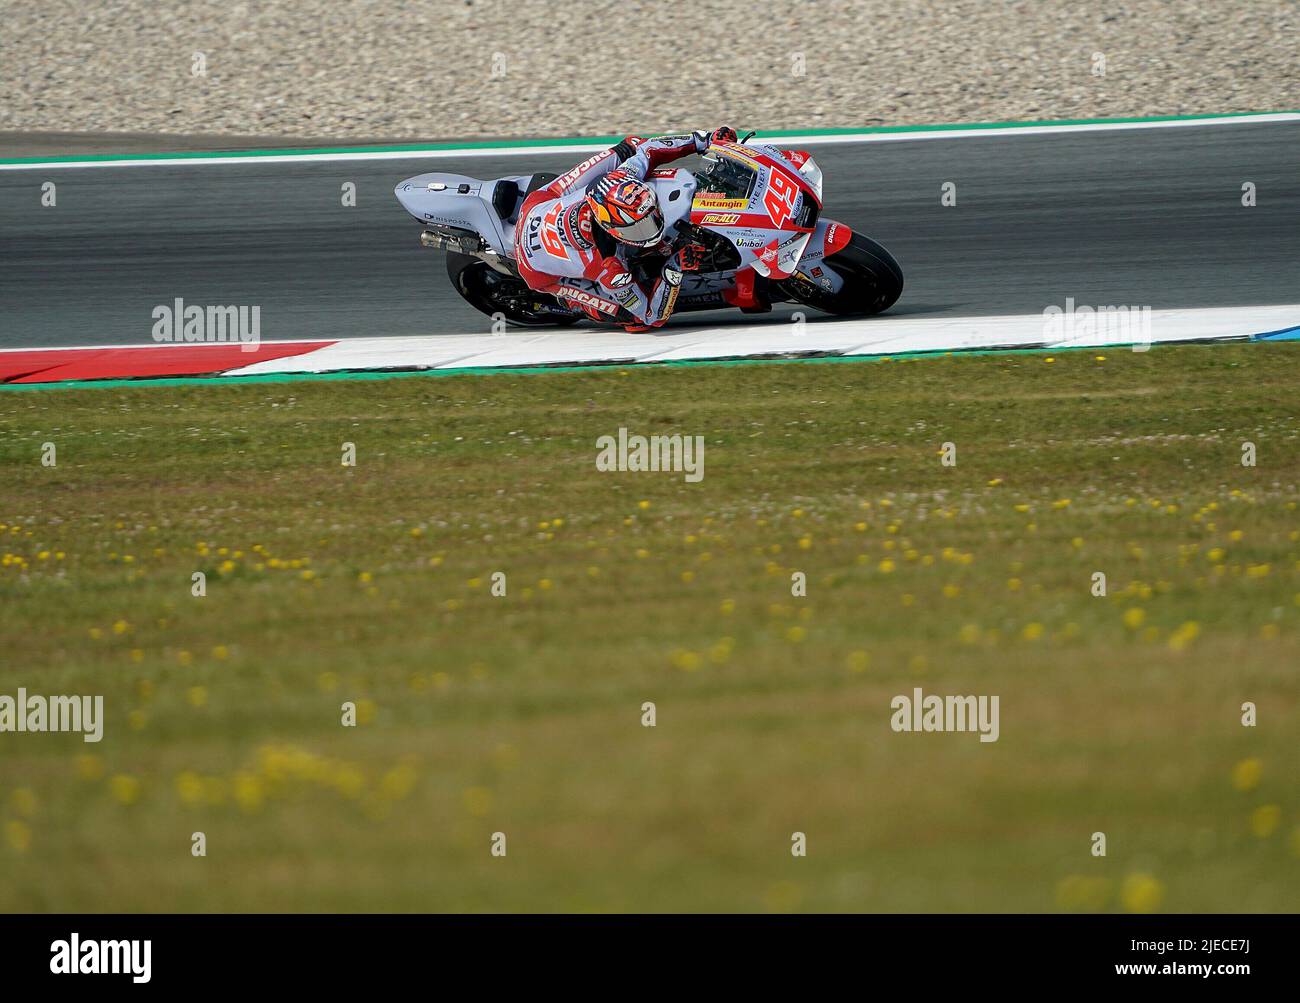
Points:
[[720, 653], [1246, 774], [248, 792], [398, 782], [886, 566], [23, 802], [1264, 820], [197, 696], [687, 661], [1184, 635], [728, 606], [858, 661], [1142, 893], [1032, 631], [643, 505], [1134, 617], [795, 634], [125, 788], [19, 835], [90, 767]]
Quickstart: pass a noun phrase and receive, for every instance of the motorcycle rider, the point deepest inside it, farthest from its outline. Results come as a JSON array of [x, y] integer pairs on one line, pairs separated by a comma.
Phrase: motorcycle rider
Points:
[[574, 236]]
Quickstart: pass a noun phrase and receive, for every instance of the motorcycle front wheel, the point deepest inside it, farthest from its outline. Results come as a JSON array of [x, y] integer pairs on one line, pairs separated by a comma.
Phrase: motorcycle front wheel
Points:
[[873, 281]]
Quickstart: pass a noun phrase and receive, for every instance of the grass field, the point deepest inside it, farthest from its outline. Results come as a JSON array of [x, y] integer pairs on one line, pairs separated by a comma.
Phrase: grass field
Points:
[[522, 714]]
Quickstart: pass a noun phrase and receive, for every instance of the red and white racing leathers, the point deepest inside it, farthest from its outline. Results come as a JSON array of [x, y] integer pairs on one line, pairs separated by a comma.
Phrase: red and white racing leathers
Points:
[[556, 244]]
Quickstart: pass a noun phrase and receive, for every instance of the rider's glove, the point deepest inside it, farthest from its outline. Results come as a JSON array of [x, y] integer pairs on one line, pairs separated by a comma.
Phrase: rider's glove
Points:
[[690, 257], [703, 139], [626, 147]]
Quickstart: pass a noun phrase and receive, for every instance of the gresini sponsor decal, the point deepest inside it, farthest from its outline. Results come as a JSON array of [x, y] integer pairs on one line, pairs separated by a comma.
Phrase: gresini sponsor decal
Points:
[[727, 150]]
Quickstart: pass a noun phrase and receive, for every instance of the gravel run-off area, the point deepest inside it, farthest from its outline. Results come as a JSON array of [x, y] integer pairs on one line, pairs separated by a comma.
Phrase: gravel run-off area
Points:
[[465, 68]]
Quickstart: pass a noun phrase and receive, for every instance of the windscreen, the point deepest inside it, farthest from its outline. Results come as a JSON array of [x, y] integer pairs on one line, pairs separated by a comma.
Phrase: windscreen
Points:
[[724, 176]]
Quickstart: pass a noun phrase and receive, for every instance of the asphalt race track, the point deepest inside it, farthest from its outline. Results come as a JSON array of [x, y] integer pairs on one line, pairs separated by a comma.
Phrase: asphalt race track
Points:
[[1140, 217]]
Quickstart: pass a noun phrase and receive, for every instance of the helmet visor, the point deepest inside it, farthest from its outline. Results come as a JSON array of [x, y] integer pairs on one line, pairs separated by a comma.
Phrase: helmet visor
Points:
[[642, 232]]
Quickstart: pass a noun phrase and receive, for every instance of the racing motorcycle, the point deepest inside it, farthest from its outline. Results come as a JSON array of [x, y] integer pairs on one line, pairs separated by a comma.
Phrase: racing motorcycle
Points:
[[750, 206]]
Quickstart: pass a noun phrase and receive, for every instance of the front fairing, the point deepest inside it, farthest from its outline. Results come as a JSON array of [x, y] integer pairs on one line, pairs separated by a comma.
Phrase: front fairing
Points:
[[762, 202]]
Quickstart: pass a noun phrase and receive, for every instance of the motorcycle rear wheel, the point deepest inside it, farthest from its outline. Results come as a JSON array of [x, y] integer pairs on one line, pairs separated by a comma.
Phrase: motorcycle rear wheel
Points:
[[873, 281], [490, 292]]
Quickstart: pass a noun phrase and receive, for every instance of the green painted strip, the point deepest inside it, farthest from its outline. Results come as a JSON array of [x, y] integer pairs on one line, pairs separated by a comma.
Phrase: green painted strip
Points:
[[235, 381], [418, 148]]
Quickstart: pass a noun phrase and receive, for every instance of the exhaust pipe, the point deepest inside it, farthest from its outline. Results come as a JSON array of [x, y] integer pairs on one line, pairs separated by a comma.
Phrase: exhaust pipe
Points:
[[470, 243]]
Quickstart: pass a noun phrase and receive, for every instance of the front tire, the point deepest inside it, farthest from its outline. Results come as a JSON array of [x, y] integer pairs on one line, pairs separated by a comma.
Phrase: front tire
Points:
[[873, 281], [490, 292]]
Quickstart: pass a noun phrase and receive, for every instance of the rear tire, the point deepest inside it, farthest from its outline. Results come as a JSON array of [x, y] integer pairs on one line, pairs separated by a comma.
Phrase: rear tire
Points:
[[873, 281], [490, 292]]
